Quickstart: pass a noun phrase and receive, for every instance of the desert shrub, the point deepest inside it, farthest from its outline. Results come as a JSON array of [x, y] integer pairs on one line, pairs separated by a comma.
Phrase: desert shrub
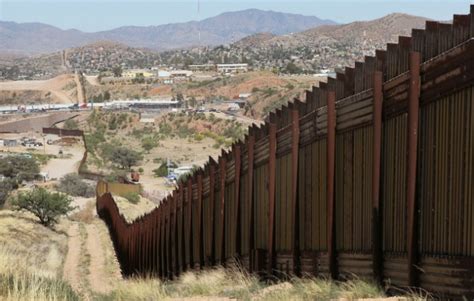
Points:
[[198, 137], [139, 133], [74, 185], [149, 143], [162, 170], [116, 175], [122, 118], [165, 129], [141, 170], [200, 116], [94, 139], [212, 117], [132, 197], [124, 157], [113, 123], [6, 186], [234, 131], [43, 158], [46, 206], [19, 167], [184, 131], [71, 124]]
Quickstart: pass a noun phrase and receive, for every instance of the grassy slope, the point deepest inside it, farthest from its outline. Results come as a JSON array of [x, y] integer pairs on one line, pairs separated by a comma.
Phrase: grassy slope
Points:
[[31, 260]]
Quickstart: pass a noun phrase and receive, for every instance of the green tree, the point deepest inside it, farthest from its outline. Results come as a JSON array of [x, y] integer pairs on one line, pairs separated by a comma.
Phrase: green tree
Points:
[[192, 102], [148, 143], [117, 71], [106, 96], [46, 206], [139, 79], [6, 186], [162, 170], [19, 168], [293, 69], [74, 185], [125, 157]]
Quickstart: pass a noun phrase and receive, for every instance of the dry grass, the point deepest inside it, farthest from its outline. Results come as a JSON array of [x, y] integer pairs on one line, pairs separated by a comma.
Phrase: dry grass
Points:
[[132, 211], [31, 259], [19, 281], [37, 246], [86, 214], [235, 284]]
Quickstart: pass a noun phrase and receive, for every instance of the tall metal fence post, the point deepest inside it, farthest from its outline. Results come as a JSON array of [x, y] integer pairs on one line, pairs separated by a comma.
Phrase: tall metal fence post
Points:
[[295, 129], [377, 145], [271, 195], [199, 260], [174, 232], [212, 189], [331, 149], [250, 154], [189, 216], [472, 20], [222, 176], [413, 111], [237, 160]]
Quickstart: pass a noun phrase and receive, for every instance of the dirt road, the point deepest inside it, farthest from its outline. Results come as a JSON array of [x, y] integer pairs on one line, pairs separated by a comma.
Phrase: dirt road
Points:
[[58, 167], [71, 272], [91, 267], [57, 86], [97, 271]]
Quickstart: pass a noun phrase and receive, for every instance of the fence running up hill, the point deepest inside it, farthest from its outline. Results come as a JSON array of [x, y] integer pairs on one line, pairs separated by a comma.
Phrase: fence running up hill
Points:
[[373, 175], [82, 165]]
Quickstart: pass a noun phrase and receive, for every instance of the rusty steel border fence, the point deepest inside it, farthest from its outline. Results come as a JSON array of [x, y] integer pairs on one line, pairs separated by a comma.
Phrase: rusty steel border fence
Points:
[[82, 170], [373, 175]]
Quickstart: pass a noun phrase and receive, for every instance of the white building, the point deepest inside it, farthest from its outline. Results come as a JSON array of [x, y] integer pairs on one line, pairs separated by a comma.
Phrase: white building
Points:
[[163, 74], [232, 68]]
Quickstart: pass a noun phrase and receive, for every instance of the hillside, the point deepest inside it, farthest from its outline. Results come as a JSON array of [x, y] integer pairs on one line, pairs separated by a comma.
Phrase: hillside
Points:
[[93, 57], [318, 48], [34, 38], [60, 89]]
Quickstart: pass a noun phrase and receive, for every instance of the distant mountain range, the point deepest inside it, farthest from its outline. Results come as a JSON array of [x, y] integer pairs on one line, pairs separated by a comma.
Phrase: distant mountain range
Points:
[[35, 38], [308, 51]]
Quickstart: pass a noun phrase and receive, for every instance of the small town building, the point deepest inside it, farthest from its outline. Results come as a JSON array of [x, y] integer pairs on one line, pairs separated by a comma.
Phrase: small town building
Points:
[[9, 143], [232, 68], [203, 67], [135, 72], [181, 74]]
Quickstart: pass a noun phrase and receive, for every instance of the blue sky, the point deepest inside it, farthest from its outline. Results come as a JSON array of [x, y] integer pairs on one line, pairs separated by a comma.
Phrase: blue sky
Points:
[[96, 15]]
